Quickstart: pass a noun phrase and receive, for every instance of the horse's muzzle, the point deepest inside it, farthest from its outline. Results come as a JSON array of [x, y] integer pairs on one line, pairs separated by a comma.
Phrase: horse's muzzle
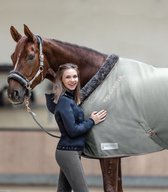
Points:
[[17, 89]]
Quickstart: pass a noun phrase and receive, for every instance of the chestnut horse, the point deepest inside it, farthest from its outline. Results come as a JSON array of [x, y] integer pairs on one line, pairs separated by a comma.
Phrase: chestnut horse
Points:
[[35, 59]]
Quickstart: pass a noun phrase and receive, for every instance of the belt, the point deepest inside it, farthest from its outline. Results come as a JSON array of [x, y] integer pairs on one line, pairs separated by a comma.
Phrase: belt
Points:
[[70, 148]]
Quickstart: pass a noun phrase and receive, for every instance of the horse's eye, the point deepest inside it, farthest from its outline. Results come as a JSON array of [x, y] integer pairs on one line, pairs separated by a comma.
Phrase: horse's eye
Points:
[[30, 57]]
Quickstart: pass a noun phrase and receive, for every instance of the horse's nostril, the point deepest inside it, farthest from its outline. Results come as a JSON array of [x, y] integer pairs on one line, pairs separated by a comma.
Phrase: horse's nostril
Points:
[[16, 94]]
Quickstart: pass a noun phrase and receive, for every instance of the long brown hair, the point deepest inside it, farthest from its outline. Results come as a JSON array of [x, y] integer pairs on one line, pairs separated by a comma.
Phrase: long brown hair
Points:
[[59, 88]]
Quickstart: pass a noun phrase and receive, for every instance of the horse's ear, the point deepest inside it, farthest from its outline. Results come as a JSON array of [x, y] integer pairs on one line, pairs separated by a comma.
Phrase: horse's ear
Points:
[[28, 33], [15, 34]]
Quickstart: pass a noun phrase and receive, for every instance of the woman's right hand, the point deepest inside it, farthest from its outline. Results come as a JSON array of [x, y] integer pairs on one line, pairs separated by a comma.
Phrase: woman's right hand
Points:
[[99, 116]]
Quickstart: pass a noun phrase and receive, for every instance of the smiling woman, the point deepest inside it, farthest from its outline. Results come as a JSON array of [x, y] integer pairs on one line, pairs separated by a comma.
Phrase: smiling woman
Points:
[[73, 127], [70, 79], [67, 78]]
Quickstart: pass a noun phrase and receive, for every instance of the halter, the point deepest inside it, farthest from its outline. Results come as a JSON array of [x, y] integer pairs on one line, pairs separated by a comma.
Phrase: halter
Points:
[[21, 78], [27, 84]]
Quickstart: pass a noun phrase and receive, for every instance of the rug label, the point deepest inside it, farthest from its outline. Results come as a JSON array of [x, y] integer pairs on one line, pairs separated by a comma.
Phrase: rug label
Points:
[[109, 146]]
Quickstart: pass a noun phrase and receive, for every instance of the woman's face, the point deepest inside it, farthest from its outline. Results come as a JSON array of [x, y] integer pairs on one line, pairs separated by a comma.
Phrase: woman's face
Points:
[[70, 79]]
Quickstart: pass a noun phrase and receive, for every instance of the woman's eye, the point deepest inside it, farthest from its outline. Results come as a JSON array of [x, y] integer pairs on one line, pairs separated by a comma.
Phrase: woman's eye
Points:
[[71, 77]]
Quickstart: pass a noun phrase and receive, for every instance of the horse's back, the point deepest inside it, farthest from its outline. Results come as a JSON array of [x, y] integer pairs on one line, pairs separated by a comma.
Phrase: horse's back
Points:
[[134, 94]]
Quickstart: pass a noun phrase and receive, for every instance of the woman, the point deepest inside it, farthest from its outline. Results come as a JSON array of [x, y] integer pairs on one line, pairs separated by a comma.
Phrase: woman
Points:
[[64, 104]]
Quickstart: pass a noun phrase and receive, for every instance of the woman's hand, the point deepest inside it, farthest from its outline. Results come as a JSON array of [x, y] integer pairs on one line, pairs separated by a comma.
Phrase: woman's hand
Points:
[[99, 116]]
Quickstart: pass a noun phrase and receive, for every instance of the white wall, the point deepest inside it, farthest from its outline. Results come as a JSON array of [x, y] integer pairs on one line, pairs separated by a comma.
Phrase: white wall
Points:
[[130, 28]]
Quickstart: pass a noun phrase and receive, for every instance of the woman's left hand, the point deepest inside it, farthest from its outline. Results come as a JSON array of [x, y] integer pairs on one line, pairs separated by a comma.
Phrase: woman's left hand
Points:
[[99, 116]]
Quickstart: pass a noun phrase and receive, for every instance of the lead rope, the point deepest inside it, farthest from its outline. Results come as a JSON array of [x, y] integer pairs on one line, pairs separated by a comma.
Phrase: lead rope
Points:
[[33, 115]]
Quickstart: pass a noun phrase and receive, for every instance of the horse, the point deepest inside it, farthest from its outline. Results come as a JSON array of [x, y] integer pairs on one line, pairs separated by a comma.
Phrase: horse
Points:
[[35, 59], [130, 90]]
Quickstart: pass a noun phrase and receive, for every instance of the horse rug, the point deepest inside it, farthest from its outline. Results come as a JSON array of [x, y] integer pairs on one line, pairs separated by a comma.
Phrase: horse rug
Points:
[[135, 96]]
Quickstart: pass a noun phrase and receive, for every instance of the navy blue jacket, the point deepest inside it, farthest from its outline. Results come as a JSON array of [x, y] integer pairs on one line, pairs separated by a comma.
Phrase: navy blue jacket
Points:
[[70, 120]]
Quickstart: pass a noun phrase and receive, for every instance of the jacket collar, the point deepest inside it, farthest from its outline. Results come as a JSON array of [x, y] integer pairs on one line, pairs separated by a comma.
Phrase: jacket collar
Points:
[[69, 94]]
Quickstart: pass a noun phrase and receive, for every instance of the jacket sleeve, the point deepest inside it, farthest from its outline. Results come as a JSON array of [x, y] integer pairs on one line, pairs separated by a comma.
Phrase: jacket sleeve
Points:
[[73, 128], [50, 102]]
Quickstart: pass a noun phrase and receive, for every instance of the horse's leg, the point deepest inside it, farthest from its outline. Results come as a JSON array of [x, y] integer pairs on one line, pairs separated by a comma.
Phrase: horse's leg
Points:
[[120, 189], [111, 171]]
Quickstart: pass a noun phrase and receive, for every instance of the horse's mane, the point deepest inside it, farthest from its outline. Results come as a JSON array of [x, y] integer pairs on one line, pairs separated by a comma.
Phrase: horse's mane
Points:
[[76, 47]]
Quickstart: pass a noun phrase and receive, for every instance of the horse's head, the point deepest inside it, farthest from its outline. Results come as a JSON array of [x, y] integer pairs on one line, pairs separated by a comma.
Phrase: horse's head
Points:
[[28, 62]]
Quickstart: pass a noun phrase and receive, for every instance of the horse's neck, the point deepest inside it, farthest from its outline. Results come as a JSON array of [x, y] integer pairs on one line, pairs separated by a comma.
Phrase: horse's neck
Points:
[[88, 60]]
